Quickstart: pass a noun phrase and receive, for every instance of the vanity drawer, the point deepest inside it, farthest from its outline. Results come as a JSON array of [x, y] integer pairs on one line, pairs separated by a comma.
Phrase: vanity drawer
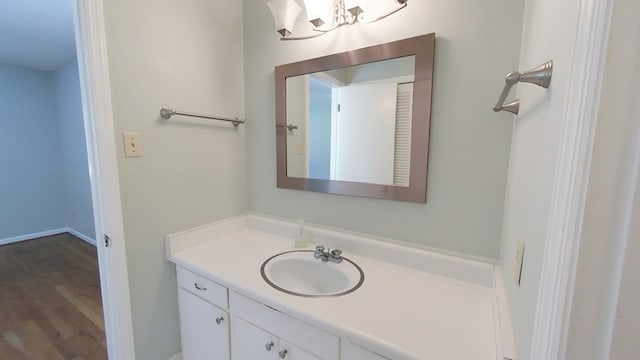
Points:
[[203, 287], [307, 337]]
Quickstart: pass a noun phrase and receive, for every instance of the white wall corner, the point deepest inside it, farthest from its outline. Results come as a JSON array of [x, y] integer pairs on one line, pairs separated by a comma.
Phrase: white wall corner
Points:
[[91, 49]]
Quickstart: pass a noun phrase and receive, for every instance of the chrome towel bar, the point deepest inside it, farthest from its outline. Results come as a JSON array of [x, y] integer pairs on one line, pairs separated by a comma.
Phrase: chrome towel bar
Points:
[[167, 113], [540, 76]]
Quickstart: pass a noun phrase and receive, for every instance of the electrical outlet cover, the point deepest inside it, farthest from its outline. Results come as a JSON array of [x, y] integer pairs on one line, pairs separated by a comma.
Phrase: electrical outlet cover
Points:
[[132, 144]]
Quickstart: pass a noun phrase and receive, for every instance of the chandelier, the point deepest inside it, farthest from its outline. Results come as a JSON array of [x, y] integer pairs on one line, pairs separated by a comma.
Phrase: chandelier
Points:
[[327, 15]]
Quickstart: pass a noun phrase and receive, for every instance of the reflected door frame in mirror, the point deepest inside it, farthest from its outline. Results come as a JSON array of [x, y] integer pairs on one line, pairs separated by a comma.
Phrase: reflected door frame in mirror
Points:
[[422, 47]]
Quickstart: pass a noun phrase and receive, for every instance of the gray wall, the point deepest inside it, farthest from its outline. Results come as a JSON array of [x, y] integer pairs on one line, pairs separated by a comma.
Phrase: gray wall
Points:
[[476, 44], [33, 192], [186, 55], [79, 207], [44, 173]]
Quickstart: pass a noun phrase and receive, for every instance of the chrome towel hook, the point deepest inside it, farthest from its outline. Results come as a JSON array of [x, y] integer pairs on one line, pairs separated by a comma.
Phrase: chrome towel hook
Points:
[[540, 76]]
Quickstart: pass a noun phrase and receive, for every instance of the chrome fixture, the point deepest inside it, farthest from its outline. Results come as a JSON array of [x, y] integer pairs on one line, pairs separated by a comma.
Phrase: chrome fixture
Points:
[[327, 254], [540, 76], [199, 287], [327, 15], [167, 113], [289, 127]]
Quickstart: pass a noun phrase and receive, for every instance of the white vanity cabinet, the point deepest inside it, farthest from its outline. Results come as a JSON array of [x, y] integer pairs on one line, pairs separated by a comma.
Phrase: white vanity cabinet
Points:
[[218, 324], [249, 342], [261, 332], [204, 324]]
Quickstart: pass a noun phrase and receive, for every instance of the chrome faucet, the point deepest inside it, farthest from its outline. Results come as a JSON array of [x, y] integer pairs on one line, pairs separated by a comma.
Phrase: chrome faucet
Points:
[[327, 254]]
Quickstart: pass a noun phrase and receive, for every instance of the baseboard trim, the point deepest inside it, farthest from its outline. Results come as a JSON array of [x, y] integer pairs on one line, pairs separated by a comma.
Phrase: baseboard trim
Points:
[[63, 230], [32, 236], [81, 236]]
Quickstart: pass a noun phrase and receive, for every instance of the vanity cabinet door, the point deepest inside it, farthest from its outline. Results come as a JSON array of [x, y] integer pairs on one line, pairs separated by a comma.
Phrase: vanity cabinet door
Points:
[[291, 352], [312, 340], [204, 329], [249, 342]]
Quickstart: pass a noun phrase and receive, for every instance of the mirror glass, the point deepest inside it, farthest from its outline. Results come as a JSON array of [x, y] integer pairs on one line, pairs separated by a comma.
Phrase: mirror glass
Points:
[[352, 123], [357, 123]]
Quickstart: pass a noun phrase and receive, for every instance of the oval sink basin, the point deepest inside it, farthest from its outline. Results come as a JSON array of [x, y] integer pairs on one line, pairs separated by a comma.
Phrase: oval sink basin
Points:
[[298, 273]]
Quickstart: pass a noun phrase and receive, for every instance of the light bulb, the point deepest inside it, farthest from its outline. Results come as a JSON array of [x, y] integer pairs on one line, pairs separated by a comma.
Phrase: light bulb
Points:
[[285, 13], [319, 12]]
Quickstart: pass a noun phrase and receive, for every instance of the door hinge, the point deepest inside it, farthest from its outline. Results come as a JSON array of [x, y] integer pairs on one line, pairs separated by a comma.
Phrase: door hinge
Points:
[[107, 241]]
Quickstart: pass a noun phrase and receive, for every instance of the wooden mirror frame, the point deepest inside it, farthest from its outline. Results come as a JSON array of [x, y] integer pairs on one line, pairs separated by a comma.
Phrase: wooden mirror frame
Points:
[[422, 47]]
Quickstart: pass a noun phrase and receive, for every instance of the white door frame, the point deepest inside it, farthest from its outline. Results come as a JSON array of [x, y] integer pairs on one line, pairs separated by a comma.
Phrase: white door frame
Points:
[[103, 169], [579, 118]]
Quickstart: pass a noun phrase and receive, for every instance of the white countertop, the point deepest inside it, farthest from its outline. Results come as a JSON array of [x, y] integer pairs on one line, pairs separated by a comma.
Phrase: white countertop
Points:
[[399, 312]]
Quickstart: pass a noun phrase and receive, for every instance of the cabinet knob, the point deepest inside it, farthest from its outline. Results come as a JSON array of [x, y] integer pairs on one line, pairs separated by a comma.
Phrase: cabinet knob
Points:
[[199, 287], [268, 345], [283, 353], [219, 320]]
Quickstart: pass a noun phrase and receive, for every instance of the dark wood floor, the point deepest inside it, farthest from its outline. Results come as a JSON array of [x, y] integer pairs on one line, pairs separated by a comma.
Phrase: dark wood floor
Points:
[[50, 305]]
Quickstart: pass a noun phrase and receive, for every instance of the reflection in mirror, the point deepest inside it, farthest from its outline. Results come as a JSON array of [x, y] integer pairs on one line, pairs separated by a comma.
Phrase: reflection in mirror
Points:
[[353, 123], [357, 123]]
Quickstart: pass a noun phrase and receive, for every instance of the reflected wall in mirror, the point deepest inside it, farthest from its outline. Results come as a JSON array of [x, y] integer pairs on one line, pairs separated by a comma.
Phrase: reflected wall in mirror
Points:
[[341, 134], [357, 123]]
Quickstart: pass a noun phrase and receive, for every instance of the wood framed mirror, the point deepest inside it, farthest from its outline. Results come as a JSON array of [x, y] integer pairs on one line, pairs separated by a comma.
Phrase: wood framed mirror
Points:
[[357, 123]]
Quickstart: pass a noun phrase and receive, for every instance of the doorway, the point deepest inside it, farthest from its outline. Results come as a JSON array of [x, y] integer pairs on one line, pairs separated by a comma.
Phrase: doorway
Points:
[[50, 292], [85, 16]]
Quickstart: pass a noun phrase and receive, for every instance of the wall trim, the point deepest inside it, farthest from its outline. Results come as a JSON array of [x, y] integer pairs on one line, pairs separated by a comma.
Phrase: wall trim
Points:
[[105, 187], [579, 118], [80, 235], [32, 236]]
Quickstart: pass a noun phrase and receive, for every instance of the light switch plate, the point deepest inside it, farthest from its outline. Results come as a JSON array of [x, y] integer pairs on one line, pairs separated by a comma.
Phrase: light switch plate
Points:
[[132, 144], [519, 259]]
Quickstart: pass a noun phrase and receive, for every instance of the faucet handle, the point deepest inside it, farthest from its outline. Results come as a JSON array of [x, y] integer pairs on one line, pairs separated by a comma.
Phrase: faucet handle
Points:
[[336, 254], [320, 248]]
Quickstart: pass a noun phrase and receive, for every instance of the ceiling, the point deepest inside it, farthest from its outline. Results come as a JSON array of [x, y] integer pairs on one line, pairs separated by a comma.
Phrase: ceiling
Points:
[[37, 33]]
